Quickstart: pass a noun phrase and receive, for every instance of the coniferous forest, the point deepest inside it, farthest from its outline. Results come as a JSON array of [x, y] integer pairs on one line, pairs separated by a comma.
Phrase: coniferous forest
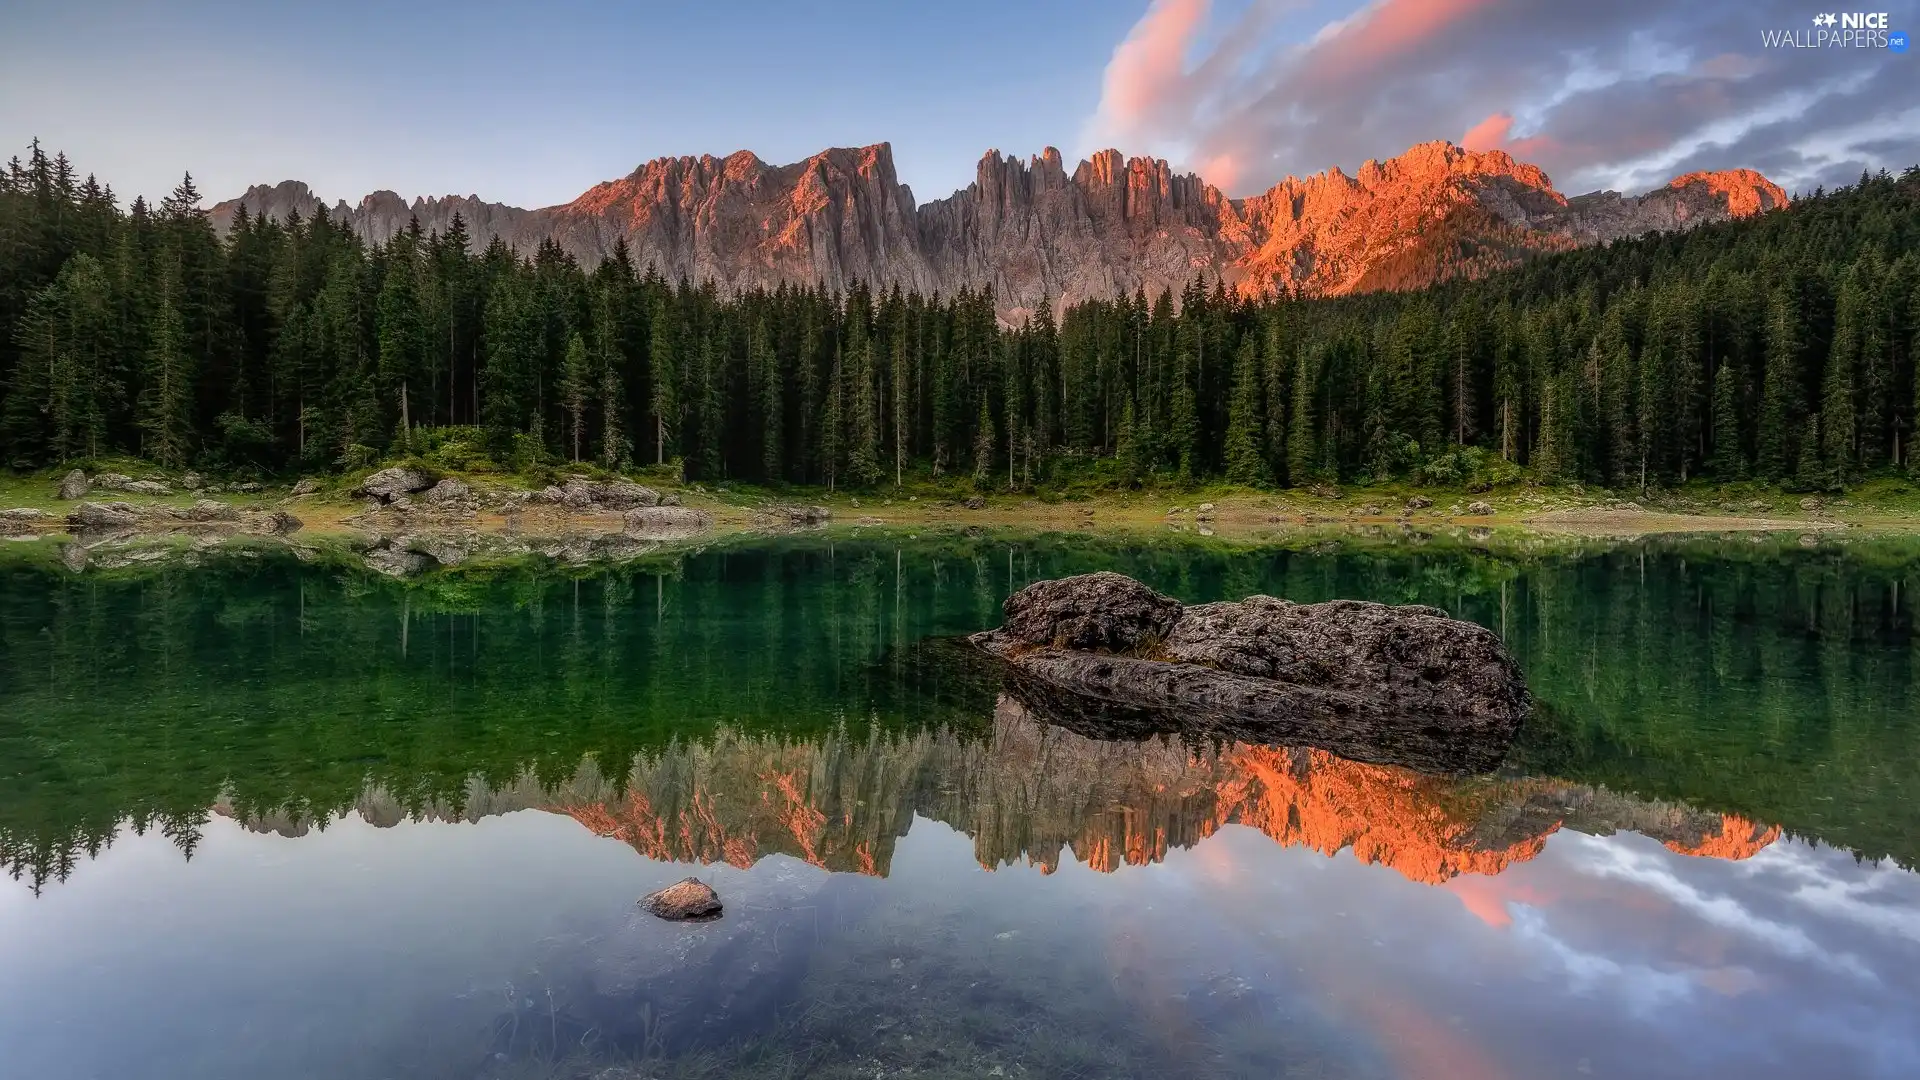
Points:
[[1780, 348]]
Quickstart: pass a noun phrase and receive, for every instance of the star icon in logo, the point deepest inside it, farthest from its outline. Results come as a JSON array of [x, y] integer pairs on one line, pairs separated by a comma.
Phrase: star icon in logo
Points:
[[1825, 20]]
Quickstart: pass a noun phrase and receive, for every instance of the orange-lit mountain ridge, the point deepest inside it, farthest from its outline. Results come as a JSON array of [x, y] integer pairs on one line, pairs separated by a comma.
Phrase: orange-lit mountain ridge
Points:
[[1032, 230], [1032, 793]]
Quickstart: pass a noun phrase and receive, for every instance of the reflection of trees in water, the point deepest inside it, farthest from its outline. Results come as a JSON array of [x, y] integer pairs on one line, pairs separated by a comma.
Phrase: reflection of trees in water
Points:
[[1033, 794], [1757, 679]]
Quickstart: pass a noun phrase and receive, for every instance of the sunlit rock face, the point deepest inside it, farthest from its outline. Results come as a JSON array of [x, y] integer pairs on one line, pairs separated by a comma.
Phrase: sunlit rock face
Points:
[[1032, 231]]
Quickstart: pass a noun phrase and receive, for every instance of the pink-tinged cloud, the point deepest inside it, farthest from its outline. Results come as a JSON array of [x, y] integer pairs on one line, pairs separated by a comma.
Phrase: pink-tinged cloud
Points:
[[1489, 134], [1220, 170], [1149, 66], [1388, 29]]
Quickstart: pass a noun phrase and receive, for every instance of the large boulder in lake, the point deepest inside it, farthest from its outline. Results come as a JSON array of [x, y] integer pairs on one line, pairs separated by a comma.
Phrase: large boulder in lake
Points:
[[1407, 658], [1104, 611], [390, 484], [1368, 681]]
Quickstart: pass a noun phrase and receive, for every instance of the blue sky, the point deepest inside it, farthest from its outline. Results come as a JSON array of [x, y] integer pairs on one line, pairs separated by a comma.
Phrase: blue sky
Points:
[[530, 104]]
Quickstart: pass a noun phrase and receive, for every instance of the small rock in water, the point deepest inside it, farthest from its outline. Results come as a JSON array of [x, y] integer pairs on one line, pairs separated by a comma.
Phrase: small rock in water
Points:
[[689, 899]]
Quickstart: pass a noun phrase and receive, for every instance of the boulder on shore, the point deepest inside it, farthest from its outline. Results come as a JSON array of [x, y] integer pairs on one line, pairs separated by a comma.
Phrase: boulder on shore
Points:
[[446, 491], [21, 522], [390, 484], [74, 486], [666, 522], [92, 515], [684, 900], [1360, 679], [796, 514], [212, 510]]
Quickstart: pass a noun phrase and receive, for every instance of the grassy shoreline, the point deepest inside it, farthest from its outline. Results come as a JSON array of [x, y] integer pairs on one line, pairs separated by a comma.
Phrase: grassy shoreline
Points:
[[1888, 504]]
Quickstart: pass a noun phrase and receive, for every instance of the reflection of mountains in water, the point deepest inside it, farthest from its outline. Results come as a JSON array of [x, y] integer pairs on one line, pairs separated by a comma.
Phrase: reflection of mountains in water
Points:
[[1033, 792]]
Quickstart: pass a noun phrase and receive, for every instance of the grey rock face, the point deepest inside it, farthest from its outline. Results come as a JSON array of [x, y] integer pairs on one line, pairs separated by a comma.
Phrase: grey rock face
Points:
[[91, 515], [390, 484], [1347, 675], [1102, 611], [1477, 508], [663, 522], [193, 481], [797, 515], [74, 485], [1407, 659], [1419, 502], [112, 481], [305, 487], [447, 491], [211, 510], [147, 487], [22, 521], [272, 523], [620, 495], [688, 899]]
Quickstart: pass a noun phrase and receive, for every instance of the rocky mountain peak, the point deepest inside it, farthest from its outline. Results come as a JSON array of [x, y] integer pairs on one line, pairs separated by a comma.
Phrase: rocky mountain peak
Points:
[[1031, 230]]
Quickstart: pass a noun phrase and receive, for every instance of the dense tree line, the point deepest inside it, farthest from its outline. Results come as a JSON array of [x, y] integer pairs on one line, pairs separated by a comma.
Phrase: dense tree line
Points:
[[1779, 348]]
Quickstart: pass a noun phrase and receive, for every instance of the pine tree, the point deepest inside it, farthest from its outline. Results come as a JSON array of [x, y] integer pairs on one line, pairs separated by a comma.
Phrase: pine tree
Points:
[[1126, 446], [1303, 457], [166, 404], [983, 441], [771, 407], [1245, 464], [1728, 461], [1781, 413], [1838, 410], [663, 361], [576, 390]]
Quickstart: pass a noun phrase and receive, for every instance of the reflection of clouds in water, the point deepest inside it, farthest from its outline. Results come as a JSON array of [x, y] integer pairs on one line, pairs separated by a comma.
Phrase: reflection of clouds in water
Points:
[[1880, 897], [1652, 870], [1644, 988]]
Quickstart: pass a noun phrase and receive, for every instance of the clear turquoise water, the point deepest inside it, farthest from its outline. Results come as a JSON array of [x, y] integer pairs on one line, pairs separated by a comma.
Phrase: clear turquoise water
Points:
[[269, 818]]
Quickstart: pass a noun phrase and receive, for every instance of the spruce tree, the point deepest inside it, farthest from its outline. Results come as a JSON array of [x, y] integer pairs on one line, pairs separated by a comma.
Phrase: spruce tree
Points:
[[1781, 413], [1245, 464], [1729, 462], [166, 402], [1303, 456], [576, 390]]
